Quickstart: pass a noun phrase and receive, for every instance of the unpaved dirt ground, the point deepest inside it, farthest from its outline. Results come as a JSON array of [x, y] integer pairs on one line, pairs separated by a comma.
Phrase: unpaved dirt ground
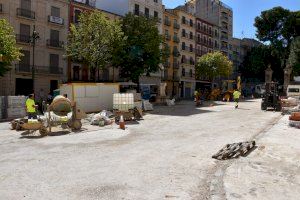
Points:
[[165, 156]]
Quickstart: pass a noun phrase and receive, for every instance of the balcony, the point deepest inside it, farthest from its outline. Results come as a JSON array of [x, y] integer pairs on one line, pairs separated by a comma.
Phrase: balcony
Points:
[[25, 39], [176, 39], [204, 30], [167, 22], [56, 20], [176, 53], [25, 13], [186, 48], [167, 64], [168, 37], [176, 26], [55, 44], [224, 18], [225, 38], [224, 28], [46, 70], [175, 65], [224, 48]]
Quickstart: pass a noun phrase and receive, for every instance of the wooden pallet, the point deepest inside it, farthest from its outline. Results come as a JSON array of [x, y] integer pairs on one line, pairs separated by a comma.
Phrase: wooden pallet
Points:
[[234, 150]]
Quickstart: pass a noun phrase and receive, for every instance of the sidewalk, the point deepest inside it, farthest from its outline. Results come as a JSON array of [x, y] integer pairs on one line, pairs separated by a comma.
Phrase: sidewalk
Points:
[[272, 171]]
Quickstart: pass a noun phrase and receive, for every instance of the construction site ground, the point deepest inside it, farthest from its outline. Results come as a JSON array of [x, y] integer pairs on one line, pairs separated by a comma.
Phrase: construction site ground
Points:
[[165, 156]]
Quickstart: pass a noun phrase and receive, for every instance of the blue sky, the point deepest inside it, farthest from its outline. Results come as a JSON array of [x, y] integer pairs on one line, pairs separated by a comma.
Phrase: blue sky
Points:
[[244, 12]]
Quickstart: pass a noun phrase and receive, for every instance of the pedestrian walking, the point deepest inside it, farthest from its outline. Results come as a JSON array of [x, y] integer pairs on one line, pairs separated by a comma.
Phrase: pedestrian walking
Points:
[[31, 107], [236, 97]]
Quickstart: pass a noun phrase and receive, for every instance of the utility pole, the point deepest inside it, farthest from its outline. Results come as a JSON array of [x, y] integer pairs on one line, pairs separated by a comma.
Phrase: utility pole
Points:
[[34, 37]]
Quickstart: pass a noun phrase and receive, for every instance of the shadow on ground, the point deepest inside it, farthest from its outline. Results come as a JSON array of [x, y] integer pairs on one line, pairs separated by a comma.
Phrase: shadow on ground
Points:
[[181, 109]]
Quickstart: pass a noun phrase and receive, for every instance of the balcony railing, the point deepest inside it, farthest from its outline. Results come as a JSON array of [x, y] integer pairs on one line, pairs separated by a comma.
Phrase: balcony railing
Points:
[[56, 20], [204, 30], [224, 38], [223, 17], [23, 38], [24, 68], [176, 26], [200, 52], [187, 48], [55, 43], [167, 22], [175, 65], [176, 39], [25, 13], [176, 53], [205, 42], [168, 37]]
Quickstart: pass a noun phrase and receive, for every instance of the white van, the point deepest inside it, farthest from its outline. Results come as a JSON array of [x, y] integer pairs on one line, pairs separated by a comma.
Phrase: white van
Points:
[[293, 90]]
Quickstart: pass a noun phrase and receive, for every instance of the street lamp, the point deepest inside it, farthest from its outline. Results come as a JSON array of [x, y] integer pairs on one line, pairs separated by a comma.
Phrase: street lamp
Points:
[[33, 38]]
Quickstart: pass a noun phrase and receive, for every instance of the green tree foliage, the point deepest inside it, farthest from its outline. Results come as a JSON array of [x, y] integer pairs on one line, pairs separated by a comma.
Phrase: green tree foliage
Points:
[[9, 52], [212, 65], [92, 41], [294, 58], [140, 53], [257, 60], [278, 27]]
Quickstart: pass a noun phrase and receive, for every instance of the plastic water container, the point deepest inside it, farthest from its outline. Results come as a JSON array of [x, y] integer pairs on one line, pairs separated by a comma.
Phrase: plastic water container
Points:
[[123, 101]]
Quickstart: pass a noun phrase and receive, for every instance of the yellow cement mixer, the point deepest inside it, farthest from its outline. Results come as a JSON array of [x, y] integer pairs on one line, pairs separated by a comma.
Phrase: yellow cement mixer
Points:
[[60, 112]]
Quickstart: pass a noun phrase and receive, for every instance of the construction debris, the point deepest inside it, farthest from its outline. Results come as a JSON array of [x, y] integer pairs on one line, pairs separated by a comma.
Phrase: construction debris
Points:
[[234, 150]]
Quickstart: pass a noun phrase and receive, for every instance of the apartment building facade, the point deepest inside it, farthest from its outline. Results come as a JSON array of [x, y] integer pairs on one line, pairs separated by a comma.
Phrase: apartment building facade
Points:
[[219, 14], [171, 66], [148, 8], [187, 52], [79, 72], [49, 19]]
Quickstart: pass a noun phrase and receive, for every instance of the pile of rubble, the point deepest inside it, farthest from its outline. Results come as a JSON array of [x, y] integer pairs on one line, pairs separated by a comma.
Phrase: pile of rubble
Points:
[[291, 106]]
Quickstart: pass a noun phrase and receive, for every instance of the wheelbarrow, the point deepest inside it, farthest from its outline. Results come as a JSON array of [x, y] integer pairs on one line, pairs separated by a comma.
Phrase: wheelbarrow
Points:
[[25, 124]]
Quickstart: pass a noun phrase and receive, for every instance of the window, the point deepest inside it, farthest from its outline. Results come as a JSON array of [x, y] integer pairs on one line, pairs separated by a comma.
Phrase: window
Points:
[[26, 4], [183, 32], [191, 23], [54, 35], [155, 14], [54, 60], [155, 1], [199, 26], [191, 48], [216, 33], [183, 72], [183, 19], [183, 45], [183, 59], [55, 11], [136, 9], [24, 64], [198, 37], [191, 35], [191, 73], [76, 16], [76, 70], [216, 44], [147, 12], [24, 33]]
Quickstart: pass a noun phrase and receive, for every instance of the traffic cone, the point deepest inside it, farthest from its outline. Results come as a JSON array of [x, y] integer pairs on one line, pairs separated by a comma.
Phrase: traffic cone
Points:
[[122, 123]]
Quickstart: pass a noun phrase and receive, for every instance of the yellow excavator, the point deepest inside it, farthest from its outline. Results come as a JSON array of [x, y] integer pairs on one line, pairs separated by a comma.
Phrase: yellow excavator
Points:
[[225, 92], [228, 87]]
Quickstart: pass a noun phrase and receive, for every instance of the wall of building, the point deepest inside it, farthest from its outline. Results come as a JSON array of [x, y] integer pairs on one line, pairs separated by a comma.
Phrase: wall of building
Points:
[[39, 17]]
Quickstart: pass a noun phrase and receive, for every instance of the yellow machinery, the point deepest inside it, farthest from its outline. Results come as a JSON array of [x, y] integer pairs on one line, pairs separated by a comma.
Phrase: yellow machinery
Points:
[[228, 88]]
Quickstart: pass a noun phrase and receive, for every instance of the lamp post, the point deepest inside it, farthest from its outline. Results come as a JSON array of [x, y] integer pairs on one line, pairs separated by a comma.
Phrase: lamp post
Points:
[[33, 38]]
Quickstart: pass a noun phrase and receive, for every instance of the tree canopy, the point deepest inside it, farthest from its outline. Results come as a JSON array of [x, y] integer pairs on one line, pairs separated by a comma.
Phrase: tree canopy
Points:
[[294, 57], [278, 27], [9, 52], [212, 65], [140, 53], [92, 41]]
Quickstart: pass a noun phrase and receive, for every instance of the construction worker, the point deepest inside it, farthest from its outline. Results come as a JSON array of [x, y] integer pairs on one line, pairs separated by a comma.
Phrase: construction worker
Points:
[[236, 97], [31, 107]]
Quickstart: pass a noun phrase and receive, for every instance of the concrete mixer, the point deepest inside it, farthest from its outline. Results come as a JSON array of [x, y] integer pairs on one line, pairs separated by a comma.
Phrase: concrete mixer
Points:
[[60, 112]]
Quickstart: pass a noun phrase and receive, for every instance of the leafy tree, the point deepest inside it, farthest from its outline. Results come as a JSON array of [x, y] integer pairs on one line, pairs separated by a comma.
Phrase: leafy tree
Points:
[[257, 60], [278, 27], [212, 65], [92, 41], [294, 58], [9, 52], [140, 53]]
